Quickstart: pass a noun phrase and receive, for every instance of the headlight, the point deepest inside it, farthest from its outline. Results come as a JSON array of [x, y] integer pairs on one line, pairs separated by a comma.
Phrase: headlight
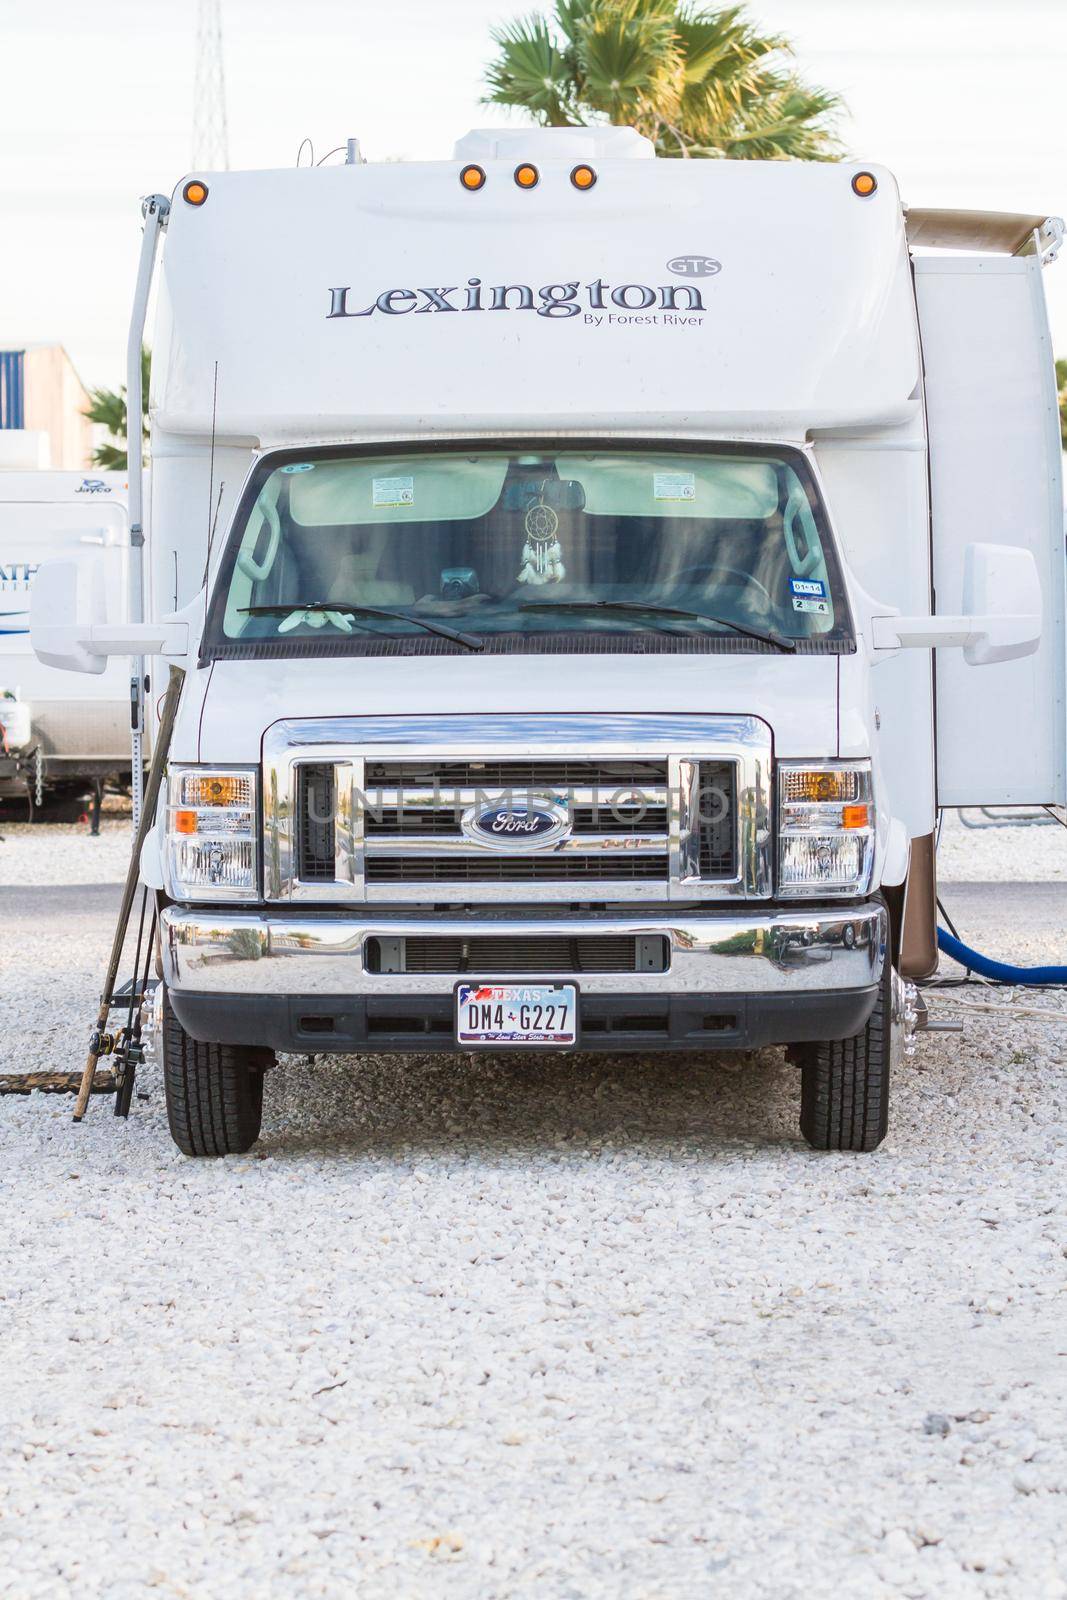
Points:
[[211, 833], [825, 828]]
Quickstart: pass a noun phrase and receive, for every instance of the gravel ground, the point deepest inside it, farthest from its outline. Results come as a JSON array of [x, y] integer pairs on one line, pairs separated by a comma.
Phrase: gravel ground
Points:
[[551, 1328]]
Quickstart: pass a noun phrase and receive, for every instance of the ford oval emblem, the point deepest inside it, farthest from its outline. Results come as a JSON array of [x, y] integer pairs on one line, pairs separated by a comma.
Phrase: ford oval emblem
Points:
[[515, 827], [694, 266]]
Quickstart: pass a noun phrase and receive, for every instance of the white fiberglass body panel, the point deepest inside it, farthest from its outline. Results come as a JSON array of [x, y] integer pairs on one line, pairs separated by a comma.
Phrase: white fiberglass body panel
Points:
[[876, 486], [796, 695], [377, 300], [995, 477]]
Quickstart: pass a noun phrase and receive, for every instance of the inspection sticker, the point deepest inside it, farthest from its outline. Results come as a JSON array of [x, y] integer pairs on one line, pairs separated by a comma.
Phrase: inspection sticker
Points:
[[674, 486], [809, 594], [393, 491]]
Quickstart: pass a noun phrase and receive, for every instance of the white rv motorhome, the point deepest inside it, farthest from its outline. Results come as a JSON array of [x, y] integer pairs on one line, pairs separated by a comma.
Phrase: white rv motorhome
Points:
[[590, 574], [62, 734]]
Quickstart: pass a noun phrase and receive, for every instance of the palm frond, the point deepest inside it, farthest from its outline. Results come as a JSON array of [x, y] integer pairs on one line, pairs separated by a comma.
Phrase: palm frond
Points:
[[107, 408], [530, 72], [110, 458], [781, 118], [697, 81], [627, 55], [721, 43]]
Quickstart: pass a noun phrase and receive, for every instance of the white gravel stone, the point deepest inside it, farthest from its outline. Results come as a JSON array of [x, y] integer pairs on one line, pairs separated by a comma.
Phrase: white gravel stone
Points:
[[58, 853], [569, 1327], [978, 853]]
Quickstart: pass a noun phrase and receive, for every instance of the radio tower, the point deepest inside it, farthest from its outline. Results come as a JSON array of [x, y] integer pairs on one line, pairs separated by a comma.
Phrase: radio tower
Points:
[[211, 151]]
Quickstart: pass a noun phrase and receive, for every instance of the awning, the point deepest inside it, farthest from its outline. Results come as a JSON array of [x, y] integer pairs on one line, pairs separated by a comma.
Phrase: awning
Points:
[[1008, 233]]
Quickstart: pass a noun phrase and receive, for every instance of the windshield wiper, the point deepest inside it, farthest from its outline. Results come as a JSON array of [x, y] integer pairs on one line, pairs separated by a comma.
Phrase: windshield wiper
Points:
[[469, 640], [765, 635]]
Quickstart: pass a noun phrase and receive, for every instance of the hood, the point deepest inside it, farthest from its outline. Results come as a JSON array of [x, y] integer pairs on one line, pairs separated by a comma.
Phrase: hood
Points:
[[796, 695]]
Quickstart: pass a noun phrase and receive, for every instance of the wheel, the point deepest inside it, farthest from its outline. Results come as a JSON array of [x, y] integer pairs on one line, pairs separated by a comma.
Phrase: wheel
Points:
[[844, 1084], [214, 1091]]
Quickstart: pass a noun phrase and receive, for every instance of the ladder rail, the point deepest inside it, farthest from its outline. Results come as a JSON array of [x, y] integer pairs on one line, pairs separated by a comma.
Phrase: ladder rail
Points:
[[156, 210], [133, 873]]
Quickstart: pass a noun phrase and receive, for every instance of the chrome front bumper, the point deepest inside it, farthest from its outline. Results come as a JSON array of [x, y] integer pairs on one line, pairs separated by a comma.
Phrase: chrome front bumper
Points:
[[768, 952]]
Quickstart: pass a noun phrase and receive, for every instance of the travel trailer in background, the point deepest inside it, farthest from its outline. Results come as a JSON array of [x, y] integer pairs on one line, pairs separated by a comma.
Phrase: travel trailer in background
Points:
[[589, 575], [62, 734]]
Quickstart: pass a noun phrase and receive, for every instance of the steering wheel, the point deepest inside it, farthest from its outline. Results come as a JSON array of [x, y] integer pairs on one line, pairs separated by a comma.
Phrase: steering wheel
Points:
[[733, 572]]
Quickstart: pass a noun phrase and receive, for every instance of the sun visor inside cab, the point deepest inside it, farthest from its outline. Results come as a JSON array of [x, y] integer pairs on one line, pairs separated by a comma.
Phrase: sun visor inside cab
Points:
[[673, 486], [417, 489]]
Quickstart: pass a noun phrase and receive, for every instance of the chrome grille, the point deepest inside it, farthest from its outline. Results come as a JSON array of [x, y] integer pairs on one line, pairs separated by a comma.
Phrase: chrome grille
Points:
[[316, 828], [373, 808], [717, 812]]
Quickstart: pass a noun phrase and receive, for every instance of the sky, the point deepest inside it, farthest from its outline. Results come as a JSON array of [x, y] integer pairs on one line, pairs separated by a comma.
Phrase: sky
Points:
[[964, 101]]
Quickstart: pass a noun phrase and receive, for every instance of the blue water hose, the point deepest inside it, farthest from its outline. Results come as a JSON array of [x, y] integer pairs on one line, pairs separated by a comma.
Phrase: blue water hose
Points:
[[999, 971]]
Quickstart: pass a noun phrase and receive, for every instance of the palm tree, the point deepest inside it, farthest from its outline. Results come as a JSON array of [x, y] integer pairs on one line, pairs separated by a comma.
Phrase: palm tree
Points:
[[697, 82], [108, 407]]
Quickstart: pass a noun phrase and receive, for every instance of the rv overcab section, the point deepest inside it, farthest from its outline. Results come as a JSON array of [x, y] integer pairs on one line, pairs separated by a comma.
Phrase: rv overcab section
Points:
[[576, 609]]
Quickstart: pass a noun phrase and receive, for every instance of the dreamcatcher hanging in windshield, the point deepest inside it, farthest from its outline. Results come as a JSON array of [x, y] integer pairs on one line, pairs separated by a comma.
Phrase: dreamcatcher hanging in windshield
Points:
[[542, 554]]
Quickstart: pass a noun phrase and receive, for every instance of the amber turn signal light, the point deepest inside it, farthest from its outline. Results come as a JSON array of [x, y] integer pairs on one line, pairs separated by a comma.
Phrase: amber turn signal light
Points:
[[526, 176], [855, 816], [195, 192], [472, 177], [185, 822], [864, 184], [583, 177]]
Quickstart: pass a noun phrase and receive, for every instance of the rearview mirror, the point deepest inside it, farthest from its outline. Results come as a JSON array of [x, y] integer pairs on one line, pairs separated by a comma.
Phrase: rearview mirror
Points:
[[72, 625], [1001, 616]]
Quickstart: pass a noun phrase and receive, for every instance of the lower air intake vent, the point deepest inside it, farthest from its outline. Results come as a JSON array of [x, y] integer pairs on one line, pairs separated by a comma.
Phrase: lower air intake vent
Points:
[[315, 823], [495, 954]]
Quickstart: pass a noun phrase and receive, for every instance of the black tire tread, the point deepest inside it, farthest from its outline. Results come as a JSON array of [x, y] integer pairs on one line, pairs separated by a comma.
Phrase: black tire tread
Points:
[[214, 1092], [844, 1083]]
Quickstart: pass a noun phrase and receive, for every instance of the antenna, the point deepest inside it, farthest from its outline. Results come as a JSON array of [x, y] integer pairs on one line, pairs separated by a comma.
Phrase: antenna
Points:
[[211, 148], [212, 519]]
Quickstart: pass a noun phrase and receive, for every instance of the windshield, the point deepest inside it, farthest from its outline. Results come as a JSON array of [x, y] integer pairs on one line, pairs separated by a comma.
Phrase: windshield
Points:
[[530, 550]]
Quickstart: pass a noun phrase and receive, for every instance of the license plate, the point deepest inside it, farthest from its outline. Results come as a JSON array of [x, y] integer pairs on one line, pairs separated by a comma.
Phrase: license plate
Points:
[[499, 1014]]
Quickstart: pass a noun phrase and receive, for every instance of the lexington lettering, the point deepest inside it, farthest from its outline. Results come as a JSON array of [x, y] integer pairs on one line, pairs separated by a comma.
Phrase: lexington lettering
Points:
[[551, 300]]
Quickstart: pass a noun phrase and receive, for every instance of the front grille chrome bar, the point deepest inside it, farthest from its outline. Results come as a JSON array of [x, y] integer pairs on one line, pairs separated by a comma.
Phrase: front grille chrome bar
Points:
[[578, 844]]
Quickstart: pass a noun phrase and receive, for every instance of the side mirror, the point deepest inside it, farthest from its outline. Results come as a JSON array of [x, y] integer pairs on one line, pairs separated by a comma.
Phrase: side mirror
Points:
[[1001, 617], [1001, 584], [73, 624]]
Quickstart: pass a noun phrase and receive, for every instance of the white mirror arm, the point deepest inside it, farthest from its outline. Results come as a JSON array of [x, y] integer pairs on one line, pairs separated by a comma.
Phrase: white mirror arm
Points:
[[901, 633], [984, 638], [167, 637]]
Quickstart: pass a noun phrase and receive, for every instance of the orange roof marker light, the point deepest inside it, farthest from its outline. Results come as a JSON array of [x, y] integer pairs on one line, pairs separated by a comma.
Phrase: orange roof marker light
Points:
[[195, 192], [864, 184], [472, 177], [526, 175], [583, 177]]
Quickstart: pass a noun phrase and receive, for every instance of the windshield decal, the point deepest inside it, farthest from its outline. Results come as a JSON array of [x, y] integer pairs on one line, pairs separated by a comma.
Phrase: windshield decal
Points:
[[393, 491], [674, 485]]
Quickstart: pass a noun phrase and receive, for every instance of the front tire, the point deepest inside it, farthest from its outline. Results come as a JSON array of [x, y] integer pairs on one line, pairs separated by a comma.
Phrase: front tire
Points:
[[214, 1092], [844, 1083]]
